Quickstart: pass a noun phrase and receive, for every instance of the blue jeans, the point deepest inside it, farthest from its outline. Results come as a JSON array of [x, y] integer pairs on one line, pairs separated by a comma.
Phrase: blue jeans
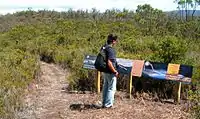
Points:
[[109, 88]]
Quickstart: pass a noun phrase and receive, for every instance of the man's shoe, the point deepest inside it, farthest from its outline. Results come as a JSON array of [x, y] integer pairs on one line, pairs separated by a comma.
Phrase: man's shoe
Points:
[[109, 107]]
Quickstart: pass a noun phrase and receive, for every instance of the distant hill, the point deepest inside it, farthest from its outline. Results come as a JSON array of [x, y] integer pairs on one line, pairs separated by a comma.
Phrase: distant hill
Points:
[[197, 12]]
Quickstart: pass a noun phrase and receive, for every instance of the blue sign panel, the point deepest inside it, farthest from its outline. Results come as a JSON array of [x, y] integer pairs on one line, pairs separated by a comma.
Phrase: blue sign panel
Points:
[[158, 71], [124, 65]]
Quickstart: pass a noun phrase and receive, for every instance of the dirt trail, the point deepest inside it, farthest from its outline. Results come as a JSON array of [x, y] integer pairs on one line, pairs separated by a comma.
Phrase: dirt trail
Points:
[[48, 101]]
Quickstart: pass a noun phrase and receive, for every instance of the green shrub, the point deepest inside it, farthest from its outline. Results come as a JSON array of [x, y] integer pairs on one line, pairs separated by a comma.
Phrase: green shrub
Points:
[[194, 98], [17, 71], [170, 50]]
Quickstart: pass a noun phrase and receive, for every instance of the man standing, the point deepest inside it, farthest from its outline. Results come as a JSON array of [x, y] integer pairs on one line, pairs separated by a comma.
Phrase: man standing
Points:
[[110, 77]]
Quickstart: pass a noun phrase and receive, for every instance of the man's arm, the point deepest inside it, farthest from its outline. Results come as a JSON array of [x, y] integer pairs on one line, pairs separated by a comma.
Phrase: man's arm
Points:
[[111, 67]]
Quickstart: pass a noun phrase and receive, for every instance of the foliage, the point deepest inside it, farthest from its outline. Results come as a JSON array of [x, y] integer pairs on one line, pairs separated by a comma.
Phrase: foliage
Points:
[[17, 71], [170, 49], [149, 20], [194, 98]]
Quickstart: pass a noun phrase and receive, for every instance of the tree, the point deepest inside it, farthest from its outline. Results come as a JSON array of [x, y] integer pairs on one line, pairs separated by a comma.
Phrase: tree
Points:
[[195, 5], [149, 20], [186, 5]]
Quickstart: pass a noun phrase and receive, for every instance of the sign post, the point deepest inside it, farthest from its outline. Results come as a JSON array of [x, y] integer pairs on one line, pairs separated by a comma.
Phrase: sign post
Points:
[[98, 81], [129, 85], [172, 72], [179, 93]]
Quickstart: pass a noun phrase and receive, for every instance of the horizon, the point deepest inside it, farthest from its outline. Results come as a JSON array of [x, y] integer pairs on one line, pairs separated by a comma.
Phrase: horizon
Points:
[[12, 6]]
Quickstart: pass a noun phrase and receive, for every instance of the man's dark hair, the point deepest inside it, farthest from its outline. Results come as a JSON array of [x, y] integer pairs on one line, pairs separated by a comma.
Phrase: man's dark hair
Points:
[[111, 38]]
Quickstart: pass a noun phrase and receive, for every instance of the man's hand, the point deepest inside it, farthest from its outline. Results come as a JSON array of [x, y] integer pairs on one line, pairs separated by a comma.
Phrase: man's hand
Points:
[[116, 74]]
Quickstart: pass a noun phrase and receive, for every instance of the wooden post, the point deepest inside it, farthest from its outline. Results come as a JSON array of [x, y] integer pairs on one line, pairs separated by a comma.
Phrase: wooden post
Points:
[[179, 93], [98, 81], [129, 86]]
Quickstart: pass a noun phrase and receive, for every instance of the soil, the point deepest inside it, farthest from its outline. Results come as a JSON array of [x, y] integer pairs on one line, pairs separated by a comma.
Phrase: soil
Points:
[[48, 99]]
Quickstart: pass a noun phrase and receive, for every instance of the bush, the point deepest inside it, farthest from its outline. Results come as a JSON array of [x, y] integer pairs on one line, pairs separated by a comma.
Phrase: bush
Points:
[[194, 98], [17, 70]]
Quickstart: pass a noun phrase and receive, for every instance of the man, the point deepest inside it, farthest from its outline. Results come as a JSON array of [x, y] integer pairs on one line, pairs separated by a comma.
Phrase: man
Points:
[[110, 77]]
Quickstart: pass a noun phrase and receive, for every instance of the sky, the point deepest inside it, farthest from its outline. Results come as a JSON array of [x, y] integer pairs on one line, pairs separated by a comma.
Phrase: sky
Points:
[[10, 6]]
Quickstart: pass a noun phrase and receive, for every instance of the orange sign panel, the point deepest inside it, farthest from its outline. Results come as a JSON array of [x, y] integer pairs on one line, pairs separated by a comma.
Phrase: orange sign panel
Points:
[[137, 67], [173, 69]]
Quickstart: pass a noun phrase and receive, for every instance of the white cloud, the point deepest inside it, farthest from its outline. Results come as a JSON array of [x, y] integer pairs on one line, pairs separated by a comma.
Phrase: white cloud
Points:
[[11, 5]]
